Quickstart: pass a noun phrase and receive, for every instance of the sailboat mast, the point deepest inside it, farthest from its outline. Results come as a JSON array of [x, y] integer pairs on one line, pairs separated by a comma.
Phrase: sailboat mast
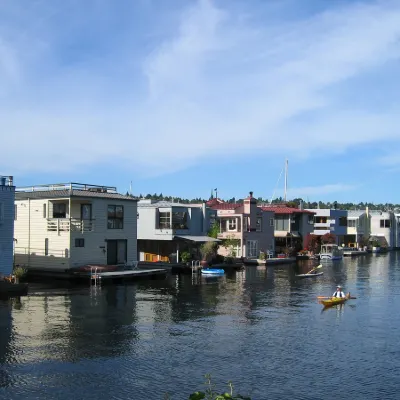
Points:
[[286, 180]]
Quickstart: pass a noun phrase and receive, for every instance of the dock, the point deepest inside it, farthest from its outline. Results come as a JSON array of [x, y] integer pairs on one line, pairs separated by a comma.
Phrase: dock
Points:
[[8, 289], [353, 253], [270, 261]]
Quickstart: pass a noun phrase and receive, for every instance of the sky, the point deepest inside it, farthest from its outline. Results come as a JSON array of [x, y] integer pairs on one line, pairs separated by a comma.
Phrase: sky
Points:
[[184, 96]]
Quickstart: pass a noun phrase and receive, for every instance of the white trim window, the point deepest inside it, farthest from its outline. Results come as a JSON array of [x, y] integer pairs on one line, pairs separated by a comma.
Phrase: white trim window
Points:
[[252, 248], [232, 224]]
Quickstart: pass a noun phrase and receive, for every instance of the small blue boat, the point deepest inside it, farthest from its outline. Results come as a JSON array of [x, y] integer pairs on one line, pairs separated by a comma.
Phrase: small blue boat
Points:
[[212, 271]]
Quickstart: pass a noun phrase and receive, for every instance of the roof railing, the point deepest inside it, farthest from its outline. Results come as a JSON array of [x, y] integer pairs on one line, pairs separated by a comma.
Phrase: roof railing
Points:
[[6, 180], [67, 186]]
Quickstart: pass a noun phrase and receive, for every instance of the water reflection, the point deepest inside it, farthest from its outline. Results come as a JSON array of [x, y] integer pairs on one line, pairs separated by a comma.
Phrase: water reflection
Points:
[[261, 327]]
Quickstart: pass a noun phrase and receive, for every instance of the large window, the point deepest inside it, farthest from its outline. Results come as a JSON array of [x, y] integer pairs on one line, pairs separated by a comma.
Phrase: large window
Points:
[[385, 223], [59, 210], [281, 223], [351, 223], [179, 220], [252, 246], [115, 217], [164, 220]]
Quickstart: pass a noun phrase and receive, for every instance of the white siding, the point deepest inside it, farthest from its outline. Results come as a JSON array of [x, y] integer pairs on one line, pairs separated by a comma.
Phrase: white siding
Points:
[[31, 233], [7, 194], [31, 230]]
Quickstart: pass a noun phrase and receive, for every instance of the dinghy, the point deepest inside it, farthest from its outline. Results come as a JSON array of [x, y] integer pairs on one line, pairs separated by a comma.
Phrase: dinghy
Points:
[[212, 271]]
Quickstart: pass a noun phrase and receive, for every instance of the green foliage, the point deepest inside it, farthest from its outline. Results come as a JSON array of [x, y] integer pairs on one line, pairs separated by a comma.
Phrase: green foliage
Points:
[[19, 272], [214, 230], [263, 256], [185, 256], [230, 244], [208, 250], [210, 392]]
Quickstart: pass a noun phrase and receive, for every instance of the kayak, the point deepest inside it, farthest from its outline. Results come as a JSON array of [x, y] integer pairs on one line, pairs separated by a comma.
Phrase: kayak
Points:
[[309, 275], [333, 301], [212, 271]]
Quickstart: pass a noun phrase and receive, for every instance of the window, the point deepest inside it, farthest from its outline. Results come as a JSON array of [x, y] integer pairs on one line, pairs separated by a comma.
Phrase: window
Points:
[[15, 212], [179, 220], [115, 217], [310, 220], [232, 224], [281, 223], [259, 224], [252, 248], [86, 211], [164, 220], [385, 223], [351, 223], [59, 210], [79, 242], [342, 221], [320, 220], [46, 247], [44, 211], [271, 222]]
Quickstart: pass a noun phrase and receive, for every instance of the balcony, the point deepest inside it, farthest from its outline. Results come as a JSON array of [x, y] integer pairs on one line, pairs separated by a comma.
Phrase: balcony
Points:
[[326, 225], [70, 225]]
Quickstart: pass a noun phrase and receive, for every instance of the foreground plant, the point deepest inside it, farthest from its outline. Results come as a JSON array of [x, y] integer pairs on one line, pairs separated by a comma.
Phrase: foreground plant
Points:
[[211, 393]]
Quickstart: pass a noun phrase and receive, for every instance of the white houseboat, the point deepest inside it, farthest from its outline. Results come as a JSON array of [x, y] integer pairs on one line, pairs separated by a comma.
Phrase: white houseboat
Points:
[[331, 252]]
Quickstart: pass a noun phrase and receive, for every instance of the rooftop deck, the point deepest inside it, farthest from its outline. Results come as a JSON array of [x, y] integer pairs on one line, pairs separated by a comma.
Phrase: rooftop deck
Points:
[[67, 186]]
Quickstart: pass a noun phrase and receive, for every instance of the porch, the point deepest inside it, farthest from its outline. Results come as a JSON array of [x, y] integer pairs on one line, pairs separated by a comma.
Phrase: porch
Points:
[[68, 215]]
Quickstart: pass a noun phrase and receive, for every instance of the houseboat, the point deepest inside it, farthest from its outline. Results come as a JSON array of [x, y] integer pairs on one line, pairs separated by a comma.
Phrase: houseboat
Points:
[[331, 252]]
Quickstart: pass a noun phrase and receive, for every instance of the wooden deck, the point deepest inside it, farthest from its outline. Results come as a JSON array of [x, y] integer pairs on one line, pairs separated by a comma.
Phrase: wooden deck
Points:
[[121, 275]]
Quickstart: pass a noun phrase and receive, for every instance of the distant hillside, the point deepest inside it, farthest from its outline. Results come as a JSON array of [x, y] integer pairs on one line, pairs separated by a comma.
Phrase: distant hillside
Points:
[[292, 203]]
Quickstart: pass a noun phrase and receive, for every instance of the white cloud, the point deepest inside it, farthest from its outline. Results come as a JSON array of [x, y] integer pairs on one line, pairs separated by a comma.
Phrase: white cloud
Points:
[[221, 84], [315, 191]]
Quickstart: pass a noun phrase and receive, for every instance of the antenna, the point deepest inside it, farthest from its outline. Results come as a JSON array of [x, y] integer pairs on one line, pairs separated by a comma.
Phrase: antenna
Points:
[[130, 188], [286, 178], [273, 193]]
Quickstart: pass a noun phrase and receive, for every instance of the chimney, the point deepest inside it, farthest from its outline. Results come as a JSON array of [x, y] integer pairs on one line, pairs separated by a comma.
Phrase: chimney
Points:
[[301, 205], [251, 194]]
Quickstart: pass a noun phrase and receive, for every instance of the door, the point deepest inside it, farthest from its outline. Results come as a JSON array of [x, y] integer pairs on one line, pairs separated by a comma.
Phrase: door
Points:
[[86, 211], [252, 246], [116, 252]]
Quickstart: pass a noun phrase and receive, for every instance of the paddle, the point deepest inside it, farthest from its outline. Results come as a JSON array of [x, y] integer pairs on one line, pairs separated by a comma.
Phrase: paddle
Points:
[[318, 266]]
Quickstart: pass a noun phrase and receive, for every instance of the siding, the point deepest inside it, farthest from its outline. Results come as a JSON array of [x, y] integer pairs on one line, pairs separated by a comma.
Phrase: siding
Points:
[[93, 252], [31, 232], [7, 195]]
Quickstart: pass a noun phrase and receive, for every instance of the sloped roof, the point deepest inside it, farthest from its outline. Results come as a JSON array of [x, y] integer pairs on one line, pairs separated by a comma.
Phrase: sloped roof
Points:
[[285, 210], [226, 206]]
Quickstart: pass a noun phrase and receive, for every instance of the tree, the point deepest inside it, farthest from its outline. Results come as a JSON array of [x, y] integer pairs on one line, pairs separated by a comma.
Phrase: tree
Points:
[[312, 242], [214, 230], [328, 238]]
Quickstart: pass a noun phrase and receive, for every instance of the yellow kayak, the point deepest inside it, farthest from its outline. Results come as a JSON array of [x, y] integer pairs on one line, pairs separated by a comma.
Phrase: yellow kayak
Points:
[[334, 300]]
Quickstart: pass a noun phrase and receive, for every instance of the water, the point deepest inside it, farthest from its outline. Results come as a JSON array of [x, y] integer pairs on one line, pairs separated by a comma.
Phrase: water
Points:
[[260, 328]]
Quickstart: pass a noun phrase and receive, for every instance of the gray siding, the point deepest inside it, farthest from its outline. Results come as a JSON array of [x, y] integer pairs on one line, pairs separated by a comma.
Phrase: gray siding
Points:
[[7, 196]]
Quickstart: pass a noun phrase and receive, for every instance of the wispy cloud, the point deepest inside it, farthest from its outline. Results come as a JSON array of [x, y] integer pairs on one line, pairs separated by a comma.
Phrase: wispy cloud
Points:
[[320, 191], [218, 82]]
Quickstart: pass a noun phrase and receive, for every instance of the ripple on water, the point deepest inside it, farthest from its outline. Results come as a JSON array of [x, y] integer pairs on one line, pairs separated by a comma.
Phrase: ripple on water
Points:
[[261, 328]]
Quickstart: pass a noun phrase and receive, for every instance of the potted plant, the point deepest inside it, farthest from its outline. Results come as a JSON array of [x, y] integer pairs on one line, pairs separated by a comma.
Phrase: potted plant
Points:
[[19, 273], [185, 257]]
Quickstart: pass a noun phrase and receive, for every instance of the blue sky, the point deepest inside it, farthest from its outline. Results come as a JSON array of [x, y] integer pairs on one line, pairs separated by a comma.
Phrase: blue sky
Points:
[[182, 96]]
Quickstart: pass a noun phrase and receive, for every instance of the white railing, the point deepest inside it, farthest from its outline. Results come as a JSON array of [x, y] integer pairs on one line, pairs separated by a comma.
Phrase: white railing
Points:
[[41, 252], [70, 224], [67, 186]]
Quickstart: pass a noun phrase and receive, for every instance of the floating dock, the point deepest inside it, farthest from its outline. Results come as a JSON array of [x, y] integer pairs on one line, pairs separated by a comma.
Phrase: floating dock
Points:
[[353, 253], [270, 261]]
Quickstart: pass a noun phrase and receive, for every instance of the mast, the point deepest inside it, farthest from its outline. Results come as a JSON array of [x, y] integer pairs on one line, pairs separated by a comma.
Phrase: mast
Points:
[[286, 178]]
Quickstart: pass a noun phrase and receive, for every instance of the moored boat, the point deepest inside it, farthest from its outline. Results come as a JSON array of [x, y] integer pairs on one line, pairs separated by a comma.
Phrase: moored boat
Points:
[[212, 271], [331, 252]]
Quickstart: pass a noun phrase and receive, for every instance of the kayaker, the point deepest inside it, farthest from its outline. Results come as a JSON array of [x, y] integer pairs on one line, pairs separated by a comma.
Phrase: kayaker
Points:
[[339, 292]]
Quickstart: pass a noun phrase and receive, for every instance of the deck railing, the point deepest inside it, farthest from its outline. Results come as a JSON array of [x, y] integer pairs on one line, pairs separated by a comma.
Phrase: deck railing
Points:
[[70, 225]]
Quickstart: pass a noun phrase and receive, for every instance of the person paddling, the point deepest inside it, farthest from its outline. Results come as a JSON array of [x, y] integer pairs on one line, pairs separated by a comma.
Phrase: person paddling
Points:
[[339, 292]]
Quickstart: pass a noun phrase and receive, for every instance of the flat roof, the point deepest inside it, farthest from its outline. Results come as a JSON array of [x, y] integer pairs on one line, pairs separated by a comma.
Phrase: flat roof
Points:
[[72, 189]]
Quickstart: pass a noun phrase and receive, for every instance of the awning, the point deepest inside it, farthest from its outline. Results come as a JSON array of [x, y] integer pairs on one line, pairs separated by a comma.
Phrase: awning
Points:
[[200, 239], [282, 234]]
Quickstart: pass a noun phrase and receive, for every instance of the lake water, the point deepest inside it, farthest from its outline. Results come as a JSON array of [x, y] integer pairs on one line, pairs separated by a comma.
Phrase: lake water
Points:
[[261, 328]]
